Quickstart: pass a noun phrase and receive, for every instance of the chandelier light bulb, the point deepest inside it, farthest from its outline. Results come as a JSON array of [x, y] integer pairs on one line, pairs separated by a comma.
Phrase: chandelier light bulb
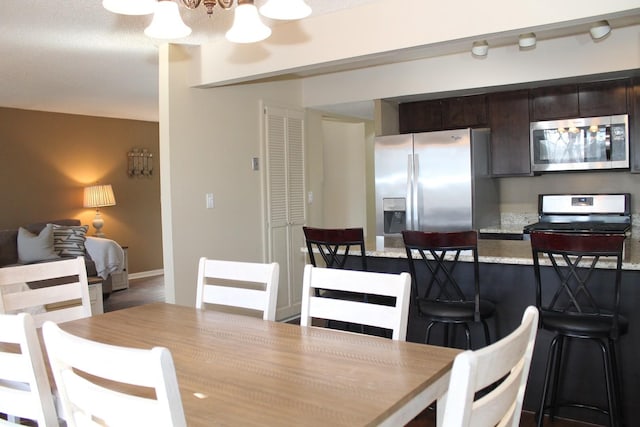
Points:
[[247, 26], [167, 22]]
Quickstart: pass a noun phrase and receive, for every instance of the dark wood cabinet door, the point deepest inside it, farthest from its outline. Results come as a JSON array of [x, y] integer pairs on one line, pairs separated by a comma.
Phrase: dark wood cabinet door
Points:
[[603, 98], [509, 122], [634, 126], [421, 116], [464, 111], [555, 102]]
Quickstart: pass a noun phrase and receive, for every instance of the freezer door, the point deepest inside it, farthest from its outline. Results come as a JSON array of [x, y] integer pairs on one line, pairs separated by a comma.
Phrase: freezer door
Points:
[[393, 155], [442, 162]]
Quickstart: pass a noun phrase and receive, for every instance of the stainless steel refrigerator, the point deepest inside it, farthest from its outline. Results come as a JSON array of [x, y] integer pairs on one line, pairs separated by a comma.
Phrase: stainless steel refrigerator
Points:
[[433, 181]]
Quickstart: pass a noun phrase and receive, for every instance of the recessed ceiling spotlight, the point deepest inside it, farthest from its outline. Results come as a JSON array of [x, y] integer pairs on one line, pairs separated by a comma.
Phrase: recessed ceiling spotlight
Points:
[[600, 29], [527, 40], [480, 48]]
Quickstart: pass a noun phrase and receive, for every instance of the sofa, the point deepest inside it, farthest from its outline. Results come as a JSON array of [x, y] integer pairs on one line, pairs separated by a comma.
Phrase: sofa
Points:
[[30, 245]]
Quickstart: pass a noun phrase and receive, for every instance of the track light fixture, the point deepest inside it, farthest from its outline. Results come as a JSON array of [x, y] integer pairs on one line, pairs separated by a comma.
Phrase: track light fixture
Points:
[[480, 48], [527, 40], [600, 29], [247, 25]]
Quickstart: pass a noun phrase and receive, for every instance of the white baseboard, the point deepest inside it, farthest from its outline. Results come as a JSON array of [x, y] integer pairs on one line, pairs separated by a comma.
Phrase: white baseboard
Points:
[[143, 274]]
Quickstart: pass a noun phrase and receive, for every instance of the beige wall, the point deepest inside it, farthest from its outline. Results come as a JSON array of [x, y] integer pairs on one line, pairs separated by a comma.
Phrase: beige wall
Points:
[[344, 158], [315, 170], [46, 159], [207, 138]]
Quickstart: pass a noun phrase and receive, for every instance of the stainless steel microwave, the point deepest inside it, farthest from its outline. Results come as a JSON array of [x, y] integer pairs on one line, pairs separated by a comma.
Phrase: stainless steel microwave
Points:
[[580, 144]]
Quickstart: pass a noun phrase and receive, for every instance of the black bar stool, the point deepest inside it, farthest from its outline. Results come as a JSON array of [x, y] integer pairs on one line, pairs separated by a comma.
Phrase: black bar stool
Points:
[[444, 300], [570, 308], [334, 244]]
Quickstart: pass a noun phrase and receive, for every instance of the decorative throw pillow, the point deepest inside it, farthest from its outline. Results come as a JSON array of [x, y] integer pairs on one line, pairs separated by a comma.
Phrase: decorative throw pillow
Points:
[[68, 240], [32, 248]]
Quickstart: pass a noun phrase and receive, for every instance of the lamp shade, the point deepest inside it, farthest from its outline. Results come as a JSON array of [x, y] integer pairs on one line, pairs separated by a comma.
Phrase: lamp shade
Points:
[[167, 22], [285, 9], [130, 7], [247, 25], [97, 196]]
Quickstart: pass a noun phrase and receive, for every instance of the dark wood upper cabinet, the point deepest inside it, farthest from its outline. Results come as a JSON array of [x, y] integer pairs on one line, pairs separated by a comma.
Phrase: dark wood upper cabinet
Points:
[[509, 114], [464, 111], [603, 98], [421, 116], [579, 100], [555, 102], [440, 114], [509, 122]]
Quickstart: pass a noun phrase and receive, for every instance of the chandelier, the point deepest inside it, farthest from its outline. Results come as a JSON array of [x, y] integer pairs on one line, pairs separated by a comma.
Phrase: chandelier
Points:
[[247, 26]]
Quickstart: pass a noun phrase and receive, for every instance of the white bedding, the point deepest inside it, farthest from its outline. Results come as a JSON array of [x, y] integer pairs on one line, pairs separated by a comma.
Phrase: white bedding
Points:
[[107, 255]]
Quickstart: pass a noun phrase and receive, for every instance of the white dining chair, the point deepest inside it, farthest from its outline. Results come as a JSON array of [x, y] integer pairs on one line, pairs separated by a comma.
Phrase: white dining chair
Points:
[[65, 301], [246, 285], [359, 311], [501, 370], [85, 399], [25, 392]]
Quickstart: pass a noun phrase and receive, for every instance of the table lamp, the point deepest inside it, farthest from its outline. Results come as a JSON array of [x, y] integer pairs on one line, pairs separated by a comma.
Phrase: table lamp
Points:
[[97, 196]]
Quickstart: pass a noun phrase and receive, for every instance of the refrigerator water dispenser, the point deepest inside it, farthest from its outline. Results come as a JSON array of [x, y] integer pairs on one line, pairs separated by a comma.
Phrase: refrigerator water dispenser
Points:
[[395, 214]]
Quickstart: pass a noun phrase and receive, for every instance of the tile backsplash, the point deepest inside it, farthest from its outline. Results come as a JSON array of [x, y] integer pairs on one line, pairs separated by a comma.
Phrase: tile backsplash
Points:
[[515, 221]]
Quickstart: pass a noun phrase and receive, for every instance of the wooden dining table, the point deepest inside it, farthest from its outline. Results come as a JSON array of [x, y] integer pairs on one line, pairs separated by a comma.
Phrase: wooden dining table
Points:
[[237, 370]]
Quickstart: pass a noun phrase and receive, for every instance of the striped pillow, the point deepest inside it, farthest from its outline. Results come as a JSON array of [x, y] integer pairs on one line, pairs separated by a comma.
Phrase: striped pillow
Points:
[[68, 240]]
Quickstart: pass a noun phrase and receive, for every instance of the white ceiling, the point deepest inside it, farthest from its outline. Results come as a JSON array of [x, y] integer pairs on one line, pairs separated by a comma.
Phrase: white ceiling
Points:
[[73, 56]]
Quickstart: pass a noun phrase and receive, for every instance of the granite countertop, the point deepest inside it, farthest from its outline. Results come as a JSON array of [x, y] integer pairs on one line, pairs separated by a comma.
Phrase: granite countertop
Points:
[[519, 252]]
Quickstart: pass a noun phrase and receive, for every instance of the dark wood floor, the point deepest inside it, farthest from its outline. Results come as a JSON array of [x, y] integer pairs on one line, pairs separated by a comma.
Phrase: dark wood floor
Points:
[[151, 289], [141, 291], [428, 419]]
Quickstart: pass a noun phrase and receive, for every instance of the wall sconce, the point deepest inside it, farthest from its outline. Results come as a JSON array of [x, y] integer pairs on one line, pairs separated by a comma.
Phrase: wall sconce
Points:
[[140, 162]]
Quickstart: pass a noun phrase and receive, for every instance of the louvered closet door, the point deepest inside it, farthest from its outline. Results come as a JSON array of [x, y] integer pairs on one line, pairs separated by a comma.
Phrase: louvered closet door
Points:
[[286, 203]]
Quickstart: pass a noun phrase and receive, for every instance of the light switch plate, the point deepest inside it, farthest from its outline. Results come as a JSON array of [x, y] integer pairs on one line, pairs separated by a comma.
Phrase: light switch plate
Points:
[[209, 199], [255, 163]]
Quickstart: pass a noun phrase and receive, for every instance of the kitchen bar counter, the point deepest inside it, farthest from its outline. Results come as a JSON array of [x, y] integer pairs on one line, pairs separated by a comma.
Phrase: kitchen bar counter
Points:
[[518, 252]]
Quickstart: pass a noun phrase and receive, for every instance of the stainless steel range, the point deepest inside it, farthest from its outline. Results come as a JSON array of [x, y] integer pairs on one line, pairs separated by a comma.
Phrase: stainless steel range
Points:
[[582, 213]]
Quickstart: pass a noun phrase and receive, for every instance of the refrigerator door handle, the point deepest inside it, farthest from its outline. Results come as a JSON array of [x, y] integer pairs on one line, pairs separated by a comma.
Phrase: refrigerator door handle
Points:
[[409, 207], [414, 197]]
